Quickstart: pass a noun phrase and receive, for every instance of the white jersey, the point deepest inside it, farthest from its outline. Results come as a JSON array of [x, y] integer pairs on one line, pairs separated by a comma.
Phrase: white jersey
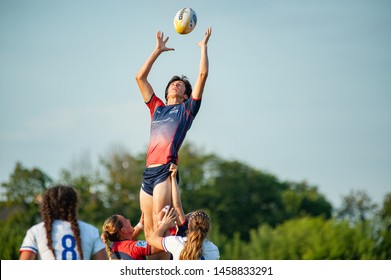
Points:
[[64, 242], [174, 245]]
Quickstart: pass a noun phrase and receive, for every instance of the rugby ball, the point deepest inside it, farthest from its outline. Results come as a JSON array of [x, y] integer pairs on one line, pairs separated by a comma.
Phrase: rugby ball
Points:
[[185, 21]]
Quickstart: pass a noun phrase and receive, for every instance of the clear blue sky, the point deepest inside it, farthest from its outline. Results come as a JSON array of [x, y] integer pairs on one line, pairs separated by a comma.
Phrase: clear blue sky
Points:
[[300, 89]]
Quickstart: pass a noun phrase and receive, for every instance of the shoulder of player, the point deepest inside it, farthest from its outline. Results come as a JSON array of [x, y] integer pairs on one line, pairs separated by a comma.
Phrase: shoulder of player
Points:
[[86, 226]]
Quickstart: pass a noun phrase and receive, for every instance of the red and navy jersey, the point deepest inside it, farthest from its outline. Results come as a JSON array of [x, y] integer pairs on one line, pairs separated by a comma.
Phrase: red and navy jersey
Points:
[[131, 249], [169, 125]]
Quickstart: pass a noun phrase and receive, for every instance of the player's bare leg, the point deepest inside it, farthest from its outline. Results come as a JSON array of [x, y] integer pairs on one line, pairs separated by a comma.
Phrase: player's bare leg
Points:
[[161, 198]]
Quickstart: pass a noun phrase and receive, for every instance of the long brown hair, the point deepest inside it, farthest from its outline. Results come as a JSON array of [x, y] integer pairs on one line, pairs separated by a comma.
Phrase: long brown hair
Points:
[[60, 203], [199, 224], [111, 228]]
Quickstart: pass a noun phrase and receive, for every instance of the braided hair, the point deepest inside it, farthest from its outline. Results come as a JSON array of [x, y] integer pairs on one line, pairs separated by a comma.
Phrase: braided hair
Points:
[[111, 229], [60, 203], [199, 224]]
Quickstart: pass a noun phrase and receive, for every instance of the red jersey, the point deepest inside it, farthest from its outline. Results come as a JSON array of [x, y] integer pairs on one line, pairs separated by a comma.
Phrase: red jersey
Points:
[[131, 249], [169, 125]]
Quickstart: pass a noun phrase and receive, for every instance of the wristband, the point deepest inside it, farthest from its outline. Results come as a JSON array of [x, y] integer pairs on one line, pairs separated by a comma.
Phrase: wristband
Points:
[[166, 208], [140, 225]]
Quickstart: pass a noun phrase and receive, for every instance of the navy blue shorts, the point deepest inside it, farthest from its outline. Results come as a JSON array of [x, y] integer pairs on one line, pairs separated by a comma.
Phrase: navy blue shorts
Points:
[[155, 175]]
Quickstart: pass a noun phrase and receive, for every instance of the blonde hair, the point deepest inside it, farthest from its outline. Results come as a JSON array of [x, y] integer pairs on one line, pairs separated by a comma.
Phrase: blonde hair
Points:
[[111, 229], [199, 224]]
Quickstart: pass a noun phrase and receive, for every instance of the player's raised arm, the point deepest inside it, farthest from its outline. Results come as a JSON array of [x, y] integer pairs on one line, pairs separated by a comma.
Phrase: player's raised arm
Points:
[[142, 75], [204, 66]]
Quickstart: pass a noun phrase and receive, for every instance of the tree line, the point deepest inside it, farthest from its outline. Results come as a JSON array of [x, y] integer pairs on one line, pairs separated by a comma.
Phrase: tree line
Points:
[[254, 214]]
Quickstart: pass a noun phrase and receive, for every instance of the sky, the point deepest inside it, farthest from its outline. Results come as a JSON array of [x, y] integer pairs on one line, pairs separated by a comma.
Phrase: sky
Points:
[[299, 89]]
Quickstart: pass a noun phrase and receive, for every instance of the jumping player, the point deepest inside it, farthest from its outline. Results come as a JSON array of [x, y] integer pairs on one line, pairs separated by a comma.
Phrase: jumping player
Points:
[[169, 125]]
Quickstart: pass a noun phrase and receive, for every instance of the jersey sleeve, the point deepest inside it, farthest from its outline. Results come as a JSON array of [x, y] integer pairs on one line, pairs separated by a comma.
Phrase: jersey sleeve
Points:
[[172, 244], [141, 249], [193, 106], [29, 243], [154, 103]]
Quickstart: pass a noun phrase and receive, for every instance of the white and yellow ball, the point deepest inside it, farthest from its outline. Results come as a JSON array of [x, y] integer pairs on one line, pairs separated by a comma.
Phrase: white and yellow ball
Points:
[[185, 21]]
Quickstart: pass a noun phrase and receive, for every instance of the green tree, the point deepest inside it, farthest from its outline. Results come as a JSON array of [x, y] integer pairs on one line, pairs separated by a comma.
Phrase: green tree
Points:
[[234, 192], [311, 238], [195, 167], [384, 247], [20, 210], [91, 207], [25, 185], [254, 215], [356, 207], [239, 197], [300, 199], [122, 182], [13, 230]]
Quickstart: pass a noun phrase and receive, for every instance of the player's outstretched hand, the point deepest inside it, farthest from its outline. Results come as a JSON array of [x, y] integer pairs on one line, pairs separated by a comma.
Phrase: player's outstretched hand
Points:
[[204, 42], [161, 42]]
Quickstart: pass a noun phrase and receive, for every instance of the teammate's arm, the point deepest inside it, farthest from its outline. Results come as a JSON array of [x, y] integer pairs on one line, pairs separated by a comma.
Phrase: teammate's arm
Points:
[[138, 228], [27, 255], [176, 195], [168, 221], [100, 255]]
